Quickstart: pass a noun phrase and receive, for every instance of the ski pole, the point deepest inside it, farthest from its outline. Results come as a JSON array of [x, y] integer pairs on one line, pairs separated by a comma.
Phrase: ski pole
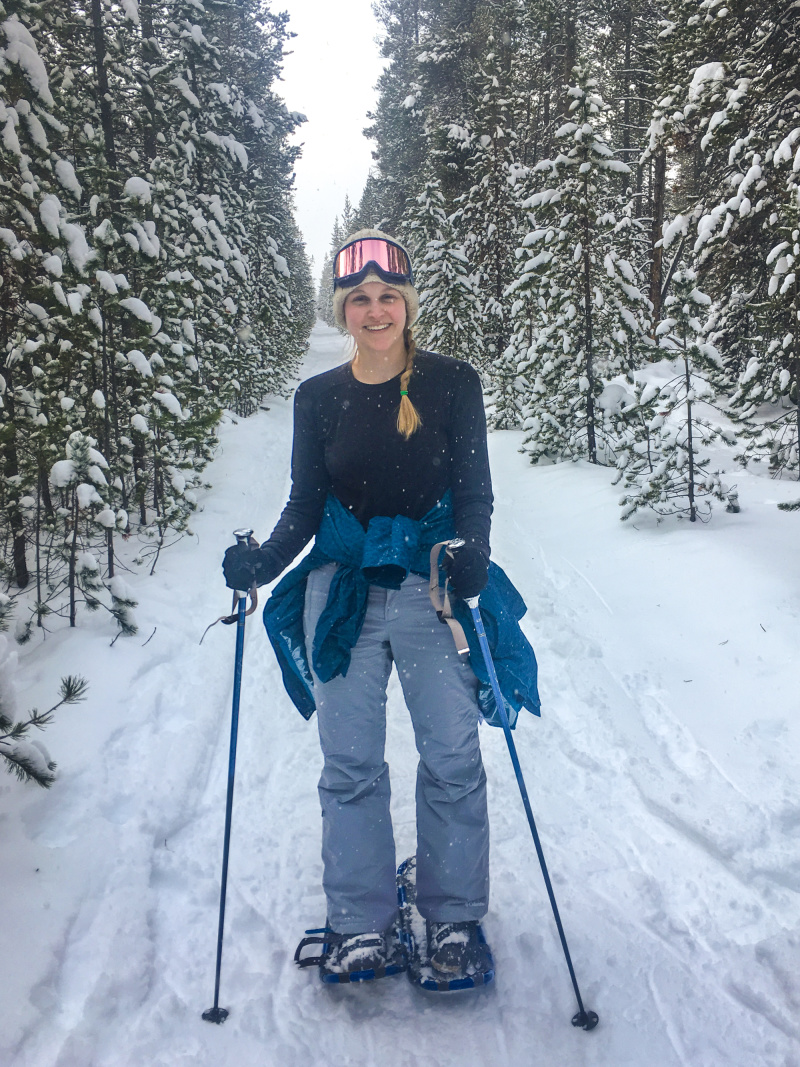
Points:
[[218, 1014], [585, 1019]]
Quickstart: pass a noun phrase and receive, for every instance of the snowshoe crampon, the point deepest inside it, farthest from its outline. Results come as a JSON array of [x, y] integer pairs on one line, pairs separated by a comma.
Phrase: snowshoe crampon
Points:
[[479, 971], [346, 957]]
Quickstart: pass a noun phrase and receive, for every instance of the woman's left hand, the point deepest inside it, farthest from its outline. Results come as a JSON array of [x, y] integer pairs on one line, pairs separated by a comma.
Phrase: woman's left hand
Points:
[[468, 571]]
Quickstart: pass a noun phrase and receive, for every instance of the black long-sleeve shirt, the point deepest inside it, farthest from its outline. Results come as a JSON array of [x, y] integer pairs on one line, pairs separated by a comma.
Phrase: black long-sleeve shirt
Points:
[[346, 443]]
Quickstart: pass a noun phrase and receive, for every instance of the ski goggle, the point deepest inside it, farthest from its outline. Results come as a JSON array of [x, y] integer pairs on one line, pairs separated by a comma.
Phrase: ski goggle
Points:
[[353, 262]]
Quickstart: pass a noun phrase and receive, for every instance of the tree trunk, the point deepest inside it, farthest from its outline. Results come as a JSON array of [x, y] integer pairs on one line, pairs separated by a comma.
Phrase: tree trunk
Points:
[[626, 106], [73, 551], [659, 187], [104, 95], [149, 61], [588, 335], [16, 525], [689, 442], [198, 156]]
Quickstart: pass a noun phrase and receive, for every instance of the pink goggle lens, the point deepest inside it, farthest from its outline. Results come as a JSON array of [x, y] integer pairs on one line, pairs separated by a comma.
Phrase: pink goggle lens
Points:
[[354, 258]]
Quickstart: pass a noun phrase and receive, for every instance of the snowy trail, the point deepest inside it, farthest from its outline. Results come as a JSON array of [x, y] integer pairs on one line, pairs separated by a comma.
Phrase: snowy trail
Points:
[[662, 775]]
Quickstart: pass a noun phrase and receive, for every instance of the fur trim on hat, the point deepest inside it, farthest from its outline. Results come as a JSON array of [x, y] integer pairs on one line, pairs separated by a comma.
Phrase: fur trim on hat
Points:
[[407, 291]]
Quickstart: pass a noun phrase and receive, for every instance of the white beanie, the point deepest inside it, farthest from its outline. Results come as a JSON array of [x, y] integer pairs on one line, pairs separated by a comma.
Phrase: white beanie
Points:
[[406, 289]]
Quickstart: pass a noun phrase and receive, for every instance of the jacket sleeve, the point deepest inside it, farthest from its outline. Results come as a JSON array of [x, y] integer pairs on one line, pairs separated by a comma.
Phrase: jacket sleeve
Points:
[[471, 481], [302, 515]]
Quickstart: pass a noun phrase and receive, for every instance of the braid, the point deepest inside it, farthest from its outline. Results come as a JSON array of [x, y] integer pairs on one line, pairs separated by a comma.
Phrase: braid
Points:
[[408, 420]]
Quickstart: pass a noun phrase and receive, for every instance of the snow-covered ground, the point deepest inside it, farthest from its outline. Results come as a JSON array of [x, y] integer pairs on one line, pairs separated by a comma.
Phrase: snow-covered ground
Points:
[[663, 775]]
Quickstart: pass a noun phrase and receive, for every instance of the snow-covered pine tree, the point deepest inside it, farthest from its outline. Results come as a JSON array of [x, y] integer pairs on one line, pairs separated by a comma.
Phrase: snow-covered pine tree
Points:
[[270, 325], [301, 303], [450, 318], [749, 242], [767, 397], [485, 223], [323, 305], [692, 78], [325, 291], [665, 463], [369, 213], [592, 316], [399, 137], [28, 187]]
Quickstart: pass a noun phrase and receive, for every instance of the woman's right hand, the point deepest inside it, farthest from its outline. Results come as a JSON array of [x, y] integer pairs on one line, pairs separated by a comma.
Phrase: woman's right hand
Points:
[[244, 564], [468, 571]]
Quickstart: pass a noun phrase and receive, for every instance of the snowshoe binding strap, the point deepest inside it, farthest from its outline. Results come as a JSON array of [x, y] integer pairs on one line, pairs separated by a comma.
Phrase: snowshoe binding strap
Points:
[[389, 958], [322, 936]]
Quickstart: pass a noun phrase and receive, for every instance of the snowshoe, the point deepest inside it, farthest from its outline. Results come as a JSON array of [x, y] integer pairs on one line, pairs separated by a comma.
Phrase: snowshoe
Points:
[[460, 949], [352, 957]]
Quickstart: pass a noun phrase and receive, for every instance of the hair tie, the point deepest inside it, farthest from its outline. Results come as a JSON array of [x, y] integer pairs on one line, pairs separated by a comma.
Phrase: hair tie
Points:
[[404, 392]]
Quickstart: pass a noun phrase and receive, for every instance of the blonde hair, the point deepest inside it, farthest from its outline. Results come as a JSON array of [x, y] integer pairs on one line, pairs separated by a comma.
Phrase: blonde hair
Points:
[[408, 419]]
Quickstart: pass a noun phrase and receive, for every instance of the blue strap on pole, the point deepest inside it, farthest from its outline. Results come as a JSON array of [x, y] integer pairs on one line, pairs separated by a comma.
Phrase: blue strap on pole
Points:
[[218, 1014], [586, 1020]]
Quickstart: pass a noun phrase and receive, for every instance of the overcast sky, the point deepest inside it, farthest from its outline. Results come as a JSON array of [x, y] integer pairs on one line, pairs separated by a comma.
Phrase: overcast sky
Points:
[[330, 78]]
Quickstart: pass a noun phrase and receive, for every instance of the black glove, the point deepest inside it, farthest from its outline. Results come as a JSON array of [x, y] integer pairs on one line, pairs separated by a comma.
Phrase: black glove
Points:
[[244, 564], [468, 571]]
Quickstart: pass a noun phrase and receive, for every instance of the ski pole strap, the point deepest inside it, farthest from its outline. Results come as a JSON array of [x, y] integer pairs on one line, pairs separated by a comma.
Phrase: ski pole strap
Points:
[[229, 620], [441, 603]]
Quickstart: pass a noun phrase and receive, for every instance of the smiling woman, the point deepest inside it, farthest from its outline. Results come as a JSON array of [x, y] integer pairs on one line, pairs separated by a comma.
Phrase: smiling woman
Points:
[[389, 460], [374, 294]]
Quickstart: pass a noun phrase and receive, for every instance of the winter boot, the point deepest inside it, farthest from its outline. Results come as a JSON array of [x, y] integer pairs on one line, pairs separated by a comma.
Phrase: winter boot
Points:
[[454, 948], [358, 952]]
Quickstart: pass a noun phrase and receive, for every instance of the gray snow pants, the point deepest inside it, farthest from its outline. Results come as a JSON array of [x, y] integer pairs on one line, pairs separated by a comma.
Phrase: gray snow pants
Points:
[[358, 852]]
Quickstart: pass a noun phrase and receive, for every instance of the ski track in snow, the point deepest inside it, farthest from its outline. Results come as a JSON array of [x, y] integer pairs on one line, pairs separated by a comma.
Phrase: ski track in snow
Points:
[[662, 776]]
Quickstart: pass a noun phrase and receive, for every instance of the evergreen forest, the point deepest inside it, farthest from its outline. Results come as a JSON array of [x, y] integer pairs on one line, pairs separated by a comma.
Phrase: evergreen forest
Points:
[[590, 187], [152, 276]]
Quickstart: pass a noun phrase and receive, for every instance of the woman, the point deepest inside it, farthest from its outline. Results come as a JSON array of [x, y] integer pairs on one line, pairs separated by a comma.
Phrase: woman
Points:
[[389, 457]]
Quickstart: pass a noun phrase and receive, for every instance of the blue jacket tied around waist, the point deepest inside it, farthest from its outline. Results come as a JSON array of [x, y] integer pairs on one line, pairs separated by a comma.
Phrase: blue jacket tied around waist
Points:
[[384, 555]]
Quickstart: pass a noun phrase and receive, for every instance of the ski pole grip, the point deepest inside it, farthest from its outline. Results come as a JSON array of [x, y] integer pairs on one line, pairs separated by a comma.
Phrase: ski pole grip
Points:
[[452, 546], [244, 537]]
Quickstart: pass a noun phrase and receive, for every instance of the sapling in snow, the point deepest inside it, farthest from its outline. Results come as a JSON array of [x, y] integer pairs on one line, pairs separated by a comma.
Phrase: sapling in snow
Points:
[[80, 486], [665, 465]]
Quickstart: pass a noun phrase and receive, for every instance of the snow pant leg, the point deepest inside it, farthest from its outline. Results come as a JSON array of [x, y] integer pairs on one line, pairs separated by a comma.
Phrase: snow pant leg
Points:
[[358, 853], [440, 690]]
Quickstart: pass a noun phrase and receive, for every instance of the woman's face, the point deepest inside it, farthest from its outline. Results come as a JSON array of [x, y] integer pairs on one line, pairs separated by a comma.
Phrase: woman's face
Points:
[[375, 315]]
